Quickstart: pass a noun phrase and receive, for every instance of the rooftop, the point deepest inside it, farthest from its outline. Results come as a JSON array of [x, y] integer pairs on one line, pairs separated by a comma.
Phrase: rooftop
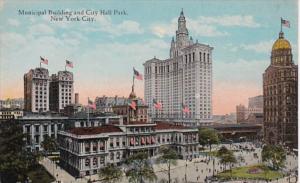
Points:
[[95, 130], [168, 126]]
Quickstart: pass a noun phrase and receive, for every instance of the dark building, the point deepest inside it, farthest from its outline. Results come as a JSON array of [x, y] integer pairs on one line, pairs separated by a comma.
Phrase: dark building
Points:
[[280, 92]]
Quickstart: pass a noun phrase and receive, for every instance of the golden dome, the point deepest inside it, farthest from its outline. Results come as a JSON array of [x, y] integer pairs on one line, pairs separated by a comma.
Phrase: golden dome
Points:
[[281, 43]]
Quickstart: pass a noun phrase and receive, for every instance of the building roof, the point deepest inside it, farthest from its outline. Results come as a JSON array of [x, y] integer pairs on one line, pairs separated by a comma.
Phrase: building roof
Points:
[[243, 125], [137, 123], [94, 130], [168, 126], [281, 43]]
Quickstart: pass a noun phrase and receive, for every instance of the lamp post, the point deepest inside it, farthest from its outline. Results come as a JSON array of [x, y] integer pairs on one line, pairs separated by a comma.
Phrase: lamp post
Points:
[[213, 167]]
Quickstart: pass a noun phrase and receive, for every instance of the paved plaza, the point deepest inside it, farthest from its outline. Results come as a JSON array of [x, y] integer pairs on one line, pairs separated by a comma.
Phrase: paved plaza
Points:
[[194, 171]]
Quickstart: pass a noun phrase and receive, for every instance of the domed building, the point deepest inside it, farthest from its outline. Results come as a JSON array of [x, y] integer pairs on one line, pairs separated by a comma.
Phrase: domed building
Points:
[[280, 91]]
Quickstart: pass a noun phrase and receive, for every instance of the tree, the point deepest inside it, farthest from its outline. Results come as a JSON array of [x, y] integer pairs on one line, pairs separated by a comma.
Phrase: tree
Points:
[[49, 144], [140, 168], [110, 174], [275, 155], [15, 161], [168, 156], [226, 156], [208, 136]]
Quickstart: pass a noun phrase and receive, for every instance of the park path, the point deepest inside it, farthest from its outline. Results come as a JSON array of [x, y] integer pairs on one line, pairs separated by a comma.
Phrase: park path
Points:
[[58, 173]]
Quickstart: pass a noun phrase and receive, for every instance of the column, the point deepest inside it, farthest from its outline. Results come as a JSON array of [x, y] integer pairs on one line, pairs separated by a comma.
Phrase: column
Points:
[[55, 130], [91, 146], [98, 146]]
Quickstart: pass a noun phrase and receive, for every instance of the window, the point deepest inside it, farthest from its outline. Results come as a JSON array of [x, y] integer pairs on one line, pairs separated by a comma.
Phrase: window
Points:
[[200, 55], [112, 156], [37, 129], [102, 148], [95, 161], [87, 147], [102, 160], [118, 155], [45, 128], [87, 162], [111, 144], [36, 139], [94, 146], [193, 56], [28, 129], [118, 142]]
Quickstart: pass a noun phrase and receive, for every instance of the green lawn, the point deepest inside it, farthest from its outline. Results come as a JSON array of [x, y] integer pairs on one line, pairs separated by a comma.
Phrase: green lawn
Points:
[[242, 173], [40, 174]]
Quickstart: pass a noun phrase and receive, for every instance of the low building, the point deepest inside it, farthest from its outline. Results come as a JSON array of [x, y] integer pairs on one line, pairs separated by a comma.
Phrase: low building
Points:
[[12, 103], [85, 150], [37, 126], [237, 131], [7, 113]]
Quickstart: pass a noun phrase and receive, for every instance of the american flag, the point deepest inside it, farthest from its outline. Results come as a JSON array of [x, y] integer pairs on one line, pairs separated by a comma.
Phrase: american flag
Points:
[[185, 109], [91, 104], [285, 23], [69, 63], [133, 105], [44, 60], [137, 75], [157, 104]]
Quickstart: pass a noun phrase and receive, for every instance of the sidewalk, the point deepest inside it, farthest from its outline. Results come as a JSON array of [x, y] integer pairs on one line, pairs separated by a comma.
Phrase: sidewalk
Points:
[[58, 173]]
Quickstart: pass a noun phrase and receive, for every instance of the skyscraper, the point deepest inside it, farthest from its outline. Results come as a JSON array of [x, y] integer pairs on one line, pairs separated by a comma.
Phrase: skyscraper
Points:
[[36, 90], [184, 79], [61, 90], [280, 92]]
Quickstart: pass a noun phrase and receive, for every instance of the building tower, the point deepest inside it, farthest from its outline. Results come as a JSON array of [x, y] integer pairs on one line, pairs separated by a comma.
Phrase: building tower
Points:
[[184, 78], [280, 94], [61, 90], [240, 113], [36, 90]]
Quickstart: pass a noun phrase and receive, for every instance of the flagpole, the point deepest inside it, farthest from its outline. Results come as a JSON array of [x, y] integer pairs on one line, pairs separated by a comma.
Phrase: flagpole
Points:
[[88, 114], [280, 24]]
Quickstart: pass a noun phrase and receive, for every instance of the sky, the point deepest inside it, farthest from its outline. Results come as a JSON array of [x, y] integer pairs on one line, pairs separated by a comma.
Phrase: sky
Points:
[[105, 50]]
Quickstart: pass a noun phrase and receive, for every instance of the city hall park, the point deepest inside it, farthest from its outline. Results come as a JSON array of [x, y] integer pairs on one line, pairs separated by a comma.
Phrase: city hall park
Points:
[[39, 174], [259, 172]]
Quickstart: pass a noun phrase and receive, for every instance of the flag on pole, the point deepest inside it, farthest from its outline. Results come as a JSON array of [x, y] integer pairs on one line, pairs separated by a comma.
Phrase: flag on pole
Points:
[[144, 102], [132, 104], [44, 60], [137, 75], [157, 104], [185, 109], [285, 23], [91, 104], [69, 63]]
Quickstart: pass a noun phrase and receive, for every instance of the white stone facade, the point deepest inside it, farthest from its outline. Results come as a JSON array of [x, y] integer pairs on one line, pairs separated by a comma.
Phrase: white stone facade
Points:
[[61, 90], [86, 150], [184, 78], [36, 90]]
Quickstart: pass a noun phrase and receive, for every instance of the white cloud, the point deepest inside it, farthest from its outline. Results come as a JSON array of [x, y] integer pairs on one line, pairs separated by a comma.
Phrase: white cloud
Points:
[[260, 47], [104, 24], [193, 26], [11, 40], [200, 29], [13, 22], [204, 25], [40, 29], [240, 71], [234, 20]]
